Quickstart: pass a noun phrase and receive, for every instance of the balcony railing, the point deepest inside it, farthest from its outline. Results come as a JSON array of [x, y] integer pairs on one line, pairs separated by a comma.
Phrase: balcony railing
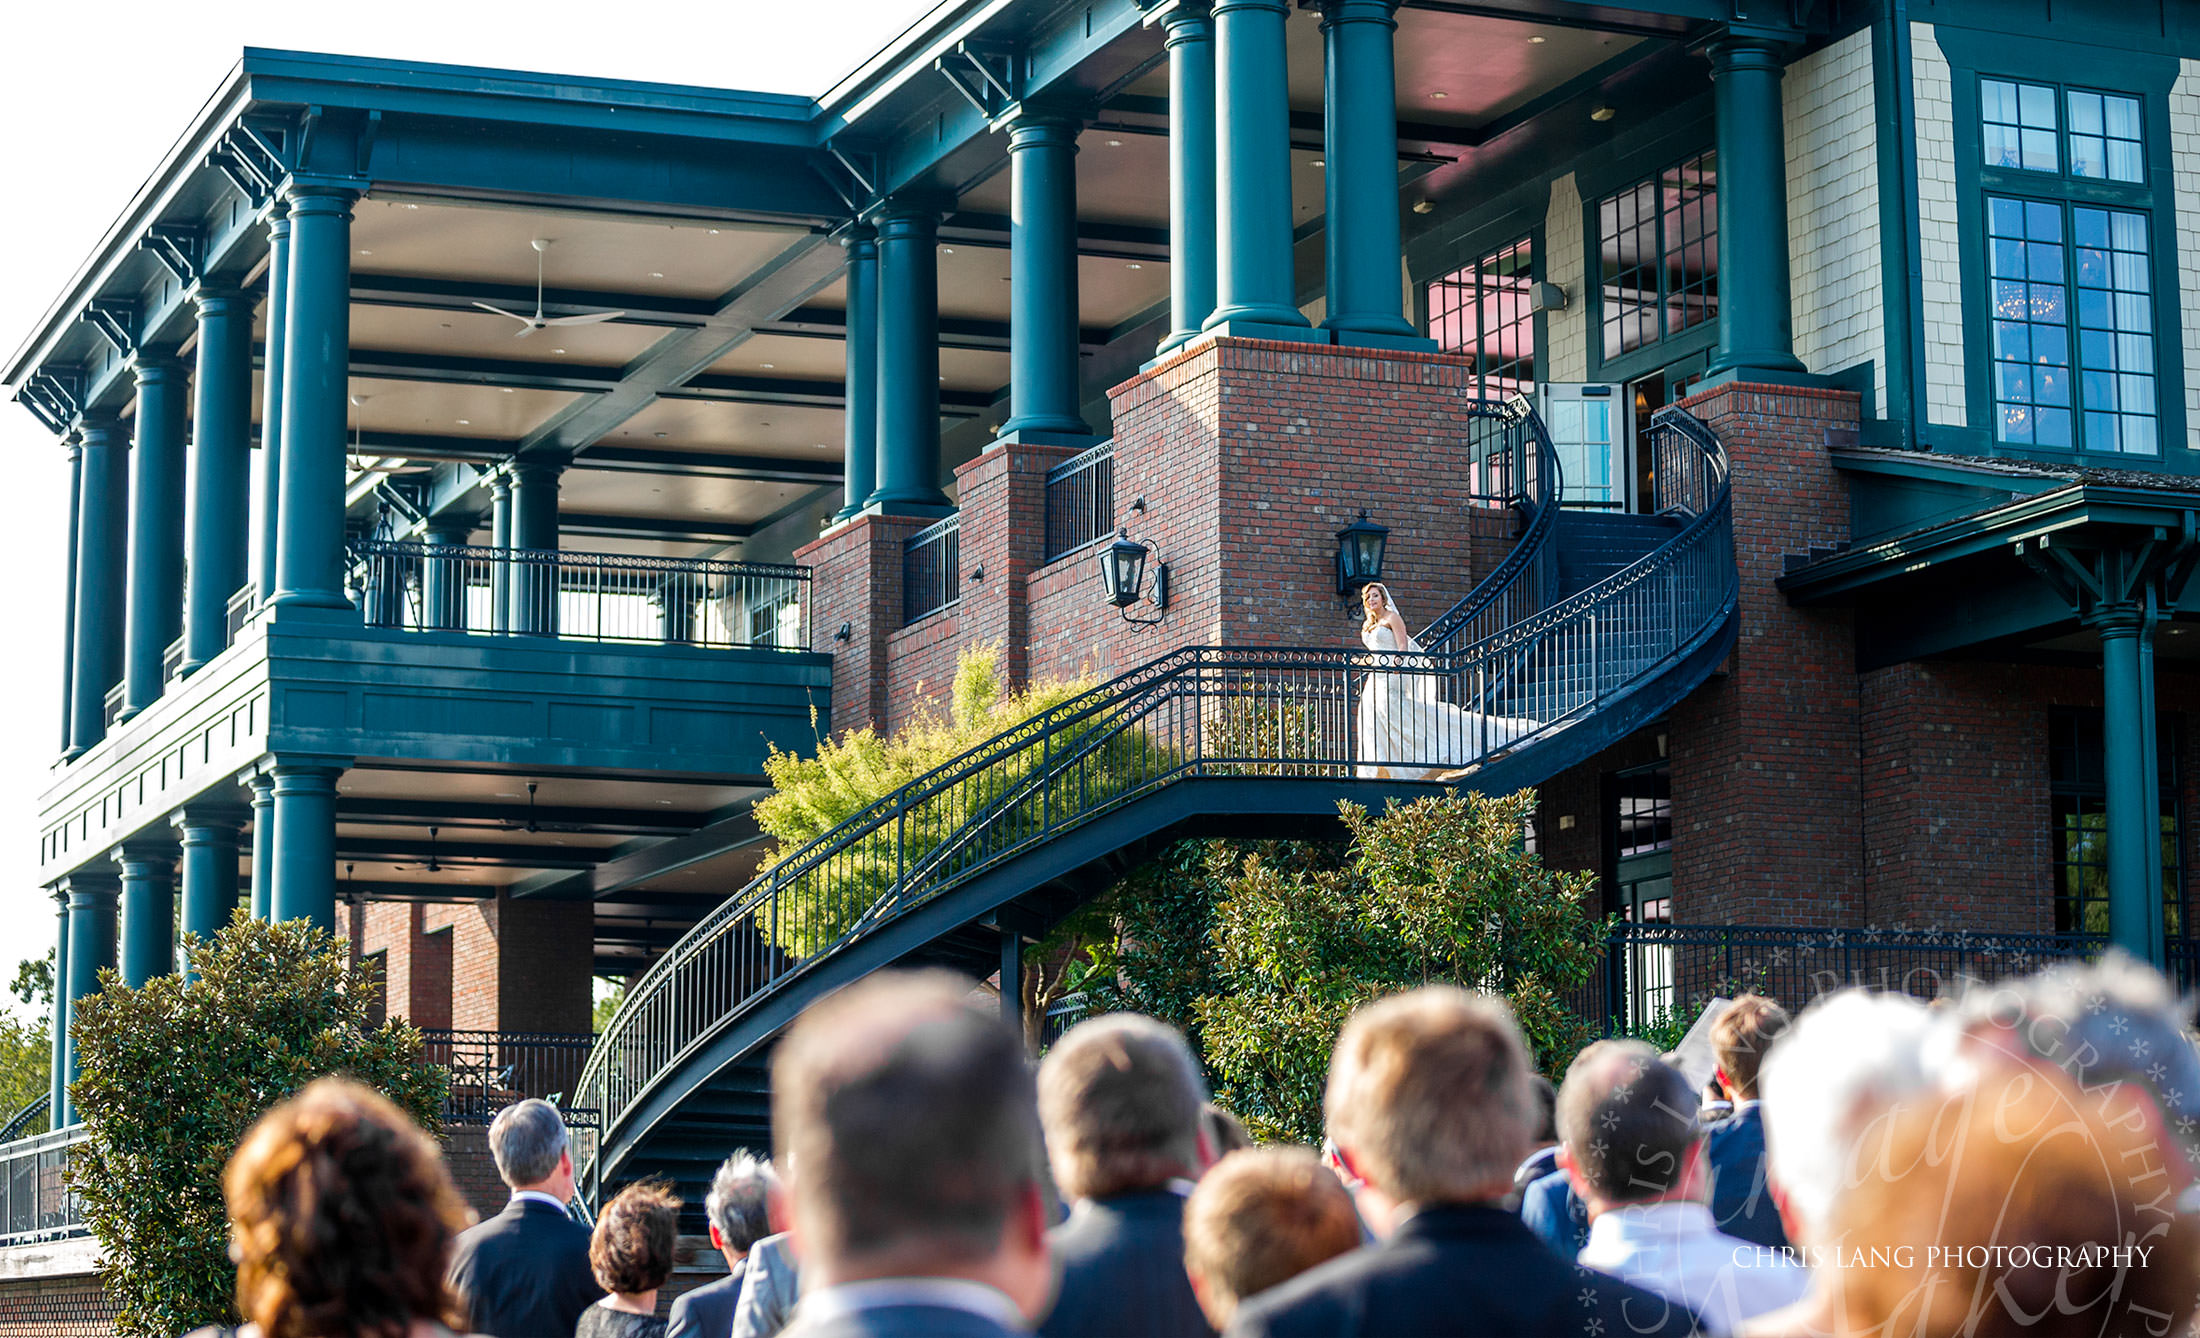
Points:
[[494, 1069], [581, 596], [1080, 500], [35, 1200], [240, 610], [931, 569], [171, 661], [111, 704]]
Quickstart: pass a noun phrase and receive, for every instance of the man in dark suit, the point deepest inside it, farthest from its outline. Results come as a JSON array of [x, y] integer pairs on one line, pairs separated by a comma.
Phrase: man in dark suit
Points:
[[1120, 1099], [738, 1219], [524, 1273], [907, 1127], [1428, 1106], [1740, 1203]]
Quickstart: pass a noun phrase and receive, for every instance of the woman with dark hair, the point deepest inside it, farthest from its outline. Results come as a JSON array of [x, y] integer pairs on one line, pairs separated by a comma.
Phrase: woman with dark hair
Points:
[[341, 1220], [632, 1256]]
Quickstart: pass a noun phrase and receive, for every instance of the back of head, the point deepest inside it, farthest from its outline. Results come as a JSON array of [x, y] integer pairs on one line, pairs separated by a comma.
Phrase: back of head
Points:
[[908, 1122], [527, 1140], [1428, 1092], [1844, 1063], [631, 1249], [1120, 1098], [1628, 1121], [1261, 1217], [2008, 1208], [343, 1217], [736, 1202], [1740, 1038]]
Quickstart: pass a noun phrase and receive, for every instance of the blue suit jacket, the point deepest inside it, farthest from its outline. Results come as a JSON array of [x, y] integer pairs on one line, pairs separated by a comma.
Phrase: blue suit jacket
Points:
[[1122, 1262], [1740, 1203], [901, 1321], [706, 1312], [1556, 1215]]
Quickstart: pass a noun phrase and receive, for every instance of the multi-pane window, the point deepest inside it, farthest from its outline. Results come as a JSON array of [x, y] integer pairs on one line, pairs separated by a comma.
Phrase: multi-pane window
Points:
[[1659, 265], [2041, 128], [1643, 799], [1482, 311], [2078, 789]]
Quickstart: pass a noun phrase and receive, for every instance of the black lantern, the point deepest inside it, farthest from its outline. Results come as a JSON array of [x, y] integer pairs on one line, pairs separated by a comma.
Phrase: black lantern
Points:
[[1360, 553], [1123, 575]]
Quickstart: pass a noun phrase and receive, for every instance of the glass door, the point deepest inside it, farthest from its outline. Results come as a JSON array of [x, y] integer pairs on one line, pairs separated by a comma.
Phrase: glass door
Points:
[[1588, 427]]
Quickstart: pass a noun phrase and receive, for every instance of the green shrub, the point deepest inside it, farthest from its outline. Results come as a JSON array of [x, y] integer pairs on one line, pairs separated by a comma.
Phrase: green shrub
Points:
[[172, 1074]]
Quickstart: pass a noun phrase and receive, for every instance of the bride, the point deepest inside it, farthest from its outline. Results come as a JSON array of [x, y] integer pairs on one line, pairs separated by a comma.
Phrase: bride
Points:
[[1401, 718]]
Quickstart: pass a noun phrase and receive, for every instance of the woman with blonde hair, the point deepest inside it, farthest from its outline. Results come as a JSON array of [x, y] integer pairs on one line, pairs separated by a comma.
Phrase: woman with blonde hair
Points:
[[342, 1217], [1406, 731]]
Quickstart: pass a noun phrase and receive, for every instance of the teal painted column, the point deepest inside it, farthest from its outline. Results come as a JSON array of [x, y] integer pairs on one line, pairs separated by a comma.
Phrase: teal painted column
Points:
[[443, 576], [1756, 317], [148, 911], [535, 531], [859, 452], [210, 891], [1253, 281], [267, 487], [101, 562], [500, 538], [1363, 246], [91, 948], [2134, 825], [909, 362], [1190, 40], [263, 845], [309, 527], [58, 1072], [1042, 264], [221, 472], [305, 841], [156, 530], [68, 599]]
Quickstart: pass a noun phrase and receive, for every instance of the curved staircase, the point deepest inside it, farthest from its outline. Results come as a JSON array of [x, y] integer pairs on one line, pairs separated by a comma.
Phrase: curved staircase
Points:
[[1593, 626]]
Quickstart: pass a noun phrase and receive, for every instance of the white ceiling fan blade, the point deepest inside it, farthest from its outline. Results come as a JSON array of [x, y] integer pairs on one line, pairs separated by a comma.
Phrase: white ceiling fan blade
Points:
[[592, 318], [508, 315], [526, 328]]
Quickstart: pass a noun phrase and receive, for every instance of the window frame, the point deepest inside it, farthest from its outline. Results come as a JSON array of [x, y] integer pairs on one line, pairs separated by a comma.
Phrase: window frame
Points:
[[1668, 347], [1531, 319], [1974, 57], [2088, 724]]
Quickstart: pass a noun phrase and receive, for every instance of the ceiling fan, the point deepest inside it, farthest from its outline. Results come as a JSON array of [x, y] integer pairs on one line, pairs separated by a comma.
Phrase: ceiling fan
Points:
[[529, 324]]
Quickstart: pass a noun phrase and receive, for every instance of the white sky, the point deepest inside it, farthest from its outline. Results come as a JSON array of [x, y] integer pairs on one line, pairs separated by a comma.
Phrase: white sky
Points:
[[96, 94]]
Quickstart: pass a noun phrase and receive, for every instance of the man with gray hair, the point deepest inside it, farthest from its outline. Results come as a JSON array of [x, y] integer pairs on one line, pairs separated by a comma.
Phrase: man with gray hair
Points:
[[524, 1273], [1122, 1103], [1429, 1109], [736, 1212], [1630, 1142]]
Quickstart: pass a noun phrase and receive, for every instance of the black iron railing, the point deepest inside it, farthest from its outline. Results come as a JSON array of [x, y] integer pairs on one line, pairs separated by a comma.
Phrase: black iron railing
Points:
[[581, 596], [25, 1118], [1521, 466], [1080, 500], [36, 1202], [494, 1069], [931, 569]]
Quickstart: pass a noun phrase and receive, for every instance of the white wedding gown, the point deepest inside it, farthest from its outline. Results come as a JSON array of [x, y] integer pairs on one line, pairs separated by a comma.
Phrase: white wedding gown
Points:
[[1408, 733]]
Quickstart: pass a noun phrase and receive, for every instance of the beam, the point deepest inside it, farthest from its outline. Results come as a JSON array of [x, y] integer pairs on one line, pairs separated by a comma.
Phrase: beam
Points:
[[1104, 241], [395, 290], [446, 813], [711, 465], [467, 854], [1639, 18], [592, 526], [655, 861], [1152, 118], [959, 333]]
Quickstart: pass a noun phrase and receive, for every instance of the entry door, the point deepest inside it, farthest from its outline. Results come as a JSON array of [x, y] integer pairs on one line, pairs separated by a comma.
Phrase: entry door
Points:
[[1645, 397], [1588, 427]]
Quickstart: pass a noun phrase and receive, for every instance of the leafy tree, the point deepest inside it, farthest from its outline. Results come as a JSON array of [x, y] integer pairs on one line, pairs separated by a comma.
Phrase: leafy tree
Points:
[[610, 997], [33, 983], [26, 1070], [174, 1073]]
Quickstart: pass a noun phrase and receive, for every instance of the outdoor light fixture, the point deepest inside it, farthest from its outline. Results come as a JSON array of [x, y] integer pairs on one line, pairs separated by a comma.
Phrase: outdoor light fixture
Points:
[[1360, 554], [1123, 575], [845, 632]]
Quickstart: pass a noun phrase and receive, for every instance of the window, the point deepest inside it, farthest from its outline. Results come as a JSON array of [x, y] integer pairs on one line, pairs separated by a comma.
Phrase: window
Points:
[[1644, 820], [2078, 787], [1481, 311], [1659, 256], [2020, 129]]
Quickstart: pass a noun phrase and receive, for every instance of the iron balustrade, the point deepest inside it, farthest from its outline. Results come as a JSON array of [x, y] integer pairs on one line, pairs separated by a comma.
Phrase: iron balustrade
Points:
[[1522, 464], [1080, 501], [1199, 711], [36, 1202], [581, 596], [25, 1117], [931, 569], [494, 1069]]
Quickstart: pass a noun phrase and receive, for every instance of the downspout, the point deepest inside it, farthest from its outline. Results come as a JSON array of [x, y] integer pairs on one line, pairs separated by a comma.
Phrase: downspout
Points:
[[1904, 291]]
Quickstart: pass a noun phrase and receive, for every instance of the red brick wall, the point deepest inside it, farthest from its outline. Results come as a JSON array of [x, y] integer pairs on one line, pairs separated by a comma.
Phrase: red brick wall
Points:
[[1767, 794], [466, 1152], [498, 965], [855, 578], [72, 1307]]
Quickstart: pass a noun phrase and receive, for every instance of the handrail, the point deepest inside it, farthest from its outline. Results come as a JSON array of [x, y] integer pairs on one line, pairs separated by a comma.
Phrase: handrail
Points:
[[1080, 501], [1194, 712], [31, 1111], [1527, 575], [931, 569]]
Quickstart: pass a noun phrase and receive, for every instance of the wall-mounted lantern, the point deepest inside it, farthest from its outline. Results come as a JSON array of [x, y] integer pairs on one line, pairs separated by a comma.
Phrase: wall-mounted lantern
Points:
[[1360, 554], [1123, 575]]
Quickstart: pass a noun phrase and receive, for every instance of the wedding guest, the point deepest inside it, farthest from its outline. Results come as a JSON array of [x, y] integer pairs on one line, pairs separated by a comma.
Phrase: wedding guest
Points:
[[631, 1254], [1260, 1217]]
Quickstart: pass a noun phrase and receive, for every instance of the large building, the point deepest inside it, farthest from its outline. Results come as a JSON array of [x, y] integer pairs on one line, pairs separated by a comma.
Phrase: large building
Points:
[[1781, 411]]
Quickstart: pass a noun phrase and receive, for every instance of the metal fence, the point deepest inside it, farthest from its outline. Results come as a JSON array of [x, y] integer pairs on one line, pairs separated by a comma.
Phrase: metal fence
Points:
[[494, 1069], [35, 1200], [581, 596], [1080, 500], [931, 569]]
